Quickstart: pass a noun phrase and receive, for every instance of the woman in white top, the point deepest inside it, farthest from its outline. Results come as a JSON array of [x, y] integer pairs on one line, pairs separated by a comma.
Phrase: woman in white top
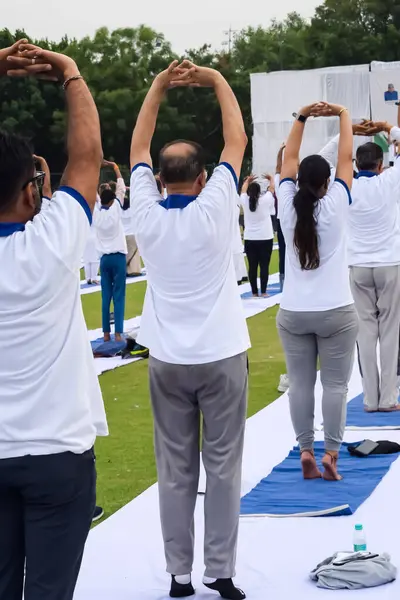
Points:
[[317, 318], [258, 231]]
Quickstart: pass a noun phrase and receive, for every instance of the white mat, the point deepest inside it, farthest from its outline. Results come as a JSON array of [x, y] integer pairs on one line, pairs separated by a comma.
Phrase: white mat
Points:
[[124, 557], [252, 307]]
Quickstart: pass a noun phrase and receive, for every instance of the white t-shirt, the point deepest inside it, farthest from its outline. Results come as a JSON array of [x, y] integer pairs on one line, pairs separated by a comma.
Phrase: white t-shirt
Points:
[[277, 180], [193, 312], [110, 232], [374, 217], [237, 238], [327, 287], [50, 398], [258, 224]]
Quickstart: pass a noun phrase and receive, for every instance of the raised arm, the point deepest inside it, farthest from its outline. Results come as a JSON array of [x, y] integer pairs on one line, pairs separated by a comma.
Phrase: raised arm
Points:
[[234, 133], [147, 118], [46, 191], [83, 125], [279, 159], [292, 152]]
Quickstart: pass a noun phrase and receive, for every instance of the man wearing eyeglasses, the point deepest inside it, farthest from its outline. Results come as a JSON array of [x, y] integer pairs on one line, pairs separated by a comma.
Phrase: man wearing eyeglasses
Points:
[[51, 409]]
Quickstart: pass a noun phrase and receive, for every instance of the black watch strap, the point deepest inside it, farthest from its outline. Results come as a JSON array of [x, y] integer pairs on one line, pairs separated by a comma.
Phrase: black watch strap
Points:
[[300, 118]]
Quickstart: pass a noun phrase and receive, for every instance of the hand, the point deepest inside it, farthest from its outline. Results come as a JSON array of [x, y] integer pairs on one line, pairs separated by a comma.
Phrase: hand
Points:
[[325, 109], [375, 127], [193, 76], [40, 160], [6, 52], [108, 163], [308, 111], [363, 128], [32, 60], [165, 78], [250, 179], [267, 176]]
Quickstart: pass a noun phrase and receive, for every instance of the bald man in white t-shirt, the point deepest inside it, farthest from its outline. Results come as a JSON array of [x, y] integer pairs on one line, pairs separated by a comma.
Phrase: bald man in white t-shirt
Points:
[[194, 326]]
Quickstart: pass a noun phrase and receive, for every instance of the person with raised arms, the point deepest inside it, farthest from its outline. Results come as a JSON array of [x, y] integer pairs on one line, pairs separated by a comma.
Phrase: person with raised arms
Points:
[[194, 326], [50, 400], [317, 317]]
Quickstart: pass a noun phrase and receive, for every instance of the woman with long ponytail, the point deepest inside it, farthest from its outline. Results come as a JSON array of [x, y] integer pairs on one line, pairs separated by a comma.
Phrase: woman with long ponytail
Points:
[[317, 317], [258, 231]]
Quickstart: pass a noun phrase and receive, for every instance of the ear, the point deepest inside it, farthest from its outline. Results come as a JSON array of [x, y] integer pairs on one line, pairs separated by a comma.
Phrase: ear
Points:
[[28, 198], [202, 179], [380, 168]]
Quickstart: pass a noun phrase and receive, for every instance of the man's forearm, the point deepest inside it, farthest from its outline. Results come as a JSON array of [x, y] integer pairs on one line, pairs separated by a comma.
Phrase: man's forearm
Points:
[[146, 122], [84, 138], [279, 161], [232, 119]]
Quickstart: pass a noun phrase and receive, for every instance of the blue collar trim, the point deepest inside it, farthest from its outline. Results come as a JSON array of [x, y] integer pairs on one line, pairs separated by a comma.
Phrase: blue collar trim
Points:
[[366, 174], [177, 201], [7, 229], [105, 207]]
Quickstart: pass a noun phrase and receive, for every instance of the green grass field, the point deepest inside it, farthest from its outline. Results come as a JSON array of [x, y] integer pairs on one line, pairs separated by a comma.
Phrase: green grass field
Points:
[[125, 459]]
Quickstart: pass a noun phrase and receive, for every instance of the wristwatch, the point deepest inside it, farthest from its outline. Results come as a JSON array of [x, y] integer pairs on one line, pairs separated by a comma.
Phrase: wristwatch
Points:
[[300, 118]]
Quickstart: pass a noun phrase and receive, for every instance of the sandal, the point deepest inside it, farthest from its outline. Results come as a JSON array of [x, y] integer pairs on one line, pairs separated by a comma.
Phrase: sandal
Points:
[[309, 465], [329, 462]]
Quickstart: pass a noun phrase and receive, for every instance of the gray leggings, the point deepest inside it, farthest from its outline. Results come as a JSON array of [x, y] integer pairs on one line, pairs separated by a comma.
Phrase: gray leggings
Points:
[[330, 335]]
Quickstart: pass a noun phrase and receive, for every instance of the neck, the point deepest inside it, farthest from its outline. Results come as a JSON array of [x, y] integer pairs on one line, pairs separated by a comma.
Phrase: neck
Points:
[[11, 217], [185, 189]]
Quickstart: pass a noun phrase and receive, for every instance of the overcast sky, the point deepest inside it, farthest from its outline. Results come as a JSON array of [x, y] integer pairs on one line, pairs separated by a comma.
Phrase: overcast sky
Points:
[[184, 23]]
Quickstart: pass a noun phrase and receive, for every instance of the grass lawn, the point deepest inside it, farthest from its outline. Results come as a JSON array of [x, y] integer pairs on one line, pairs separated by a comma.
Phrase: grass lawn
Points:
[[125, 459]]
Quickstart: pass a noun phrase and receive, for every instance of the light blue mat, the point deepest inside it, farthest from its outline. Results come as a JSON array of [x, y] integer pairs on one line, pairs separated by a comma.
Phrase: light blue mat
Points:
[[357, 418], [272, 290], [284, 493]]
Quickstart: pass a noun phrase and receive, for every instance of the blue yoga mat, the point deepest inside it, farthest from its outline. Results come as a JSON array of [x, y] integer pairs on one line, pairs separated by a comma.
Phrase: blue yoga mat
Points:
[[107, 349], [284, 493], [273, 290], [86, 286], [357, 418]]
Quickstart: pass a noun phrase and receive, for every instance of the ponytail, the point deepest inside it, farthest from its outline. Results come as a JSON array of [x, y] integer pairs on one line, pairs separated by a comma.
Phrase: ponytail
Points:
[[305, 234], [254, 193]]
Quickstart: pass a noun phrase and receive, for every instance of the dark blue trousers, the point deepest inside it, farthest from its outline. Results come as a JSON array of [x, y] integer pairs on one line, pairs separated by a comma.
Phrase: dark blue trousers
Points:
[[282, 249], [113, 287], [46, 509]]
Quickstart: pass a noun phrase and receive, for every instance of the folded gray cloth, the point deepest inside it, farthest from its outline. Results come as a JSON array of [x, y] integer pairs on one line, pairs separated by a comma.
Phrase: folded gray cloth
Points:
[[354, 571]]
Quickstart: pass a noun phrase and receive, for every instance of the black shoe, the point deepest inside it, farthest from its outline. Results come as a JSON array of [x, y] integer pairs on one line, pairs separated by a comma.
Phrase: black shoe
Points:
[[89, 282], [98, 514], [226, 589], [134, 350], [179, 590]]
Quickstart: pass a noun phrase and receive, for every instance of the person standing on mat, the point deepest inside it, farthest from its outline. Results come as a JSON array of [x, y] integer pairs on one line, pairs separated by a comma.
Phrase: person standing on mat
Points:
[[194, 326], [111, 244], [258, 232], [281, 239], [317, 317], [50, 400], [374, 258]]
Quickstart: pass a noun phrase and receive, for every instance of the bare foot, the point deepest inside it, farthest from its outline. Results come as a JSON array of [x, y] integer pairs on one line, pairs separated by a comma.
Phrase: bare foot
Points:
[[256, 296], [118, 337], [309, 465], [329, 462], [107, 337], [265, 295], [390, 409], [370, 410], [95, 282]]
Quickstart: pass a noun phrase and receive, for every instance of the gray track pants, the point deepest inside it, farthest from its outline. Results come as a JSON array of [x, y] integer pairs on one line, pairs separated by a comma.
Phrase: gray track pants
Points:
[[180, 394], [376, 292], [330, 335]]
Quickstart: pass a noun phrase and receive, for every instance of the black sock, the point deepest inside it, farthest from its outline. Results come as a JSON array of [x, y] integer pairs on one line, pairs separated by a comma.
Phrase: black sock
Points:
[[226, 589], [179, 590]]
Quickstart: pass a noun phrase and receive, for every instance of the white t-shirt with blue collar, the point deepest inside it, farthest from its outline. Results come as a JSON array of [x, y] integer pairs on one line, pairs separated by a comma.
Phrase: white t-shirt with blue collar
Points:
[[193, 312], [50, 398]]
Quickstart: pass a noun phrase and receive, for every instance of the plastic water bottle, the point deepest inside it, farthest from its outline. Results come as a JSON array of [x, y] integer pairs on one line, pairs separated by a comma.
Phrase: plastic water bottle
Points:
[[360, 541]]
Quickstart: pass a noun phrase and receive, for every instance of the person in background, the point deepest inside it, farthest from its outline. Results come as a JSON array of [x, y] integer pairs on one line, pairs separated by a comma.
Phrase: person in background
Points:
[[111, 245], [317, 317], [194, 326], [281, 239], [50, 399], [258, 231], [91, 258], [374, 258], [238, 255]]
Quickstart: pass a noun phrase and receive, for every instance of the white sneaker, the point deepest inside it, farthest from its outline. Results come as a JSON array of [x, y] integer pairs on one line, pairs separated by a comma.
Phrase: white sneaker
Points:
[[283, 384]]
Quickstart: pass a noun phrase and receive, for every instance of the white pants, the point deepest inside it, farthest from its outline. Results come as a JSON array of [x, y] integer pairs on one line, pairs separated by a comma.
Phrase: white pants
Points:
[[92, 270]]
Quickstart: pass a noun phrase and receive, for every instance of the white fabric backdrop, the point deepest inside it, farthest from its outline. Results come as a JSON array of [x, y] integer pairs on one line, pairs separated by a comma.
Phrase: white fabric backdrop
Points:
[[275, 96], [382, 74]]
